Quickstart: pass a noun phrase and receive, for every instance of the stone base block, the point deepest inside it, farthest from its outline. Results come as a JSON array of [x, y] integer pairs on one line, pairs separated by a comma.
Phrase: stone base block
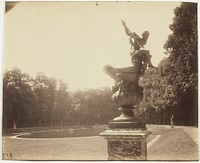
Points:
[[126, 144]]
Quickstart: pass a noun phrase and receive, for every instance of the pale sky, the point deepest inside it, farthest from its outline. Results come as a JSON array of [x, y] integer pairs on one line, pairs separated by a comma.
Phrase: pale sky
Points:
[[73, 41]]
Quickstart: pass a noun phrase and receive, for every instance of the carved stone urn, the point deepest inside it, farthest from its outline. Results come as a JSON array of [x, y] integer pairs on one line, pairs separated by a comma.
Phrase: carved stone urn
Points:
[[127, 93], [127, 96]]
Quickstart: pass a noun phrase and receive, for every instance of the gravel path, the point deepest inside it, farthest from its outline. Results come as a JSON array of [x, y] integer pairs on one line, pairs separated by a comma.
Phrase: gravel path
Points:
[[174, 144], [192, 132]]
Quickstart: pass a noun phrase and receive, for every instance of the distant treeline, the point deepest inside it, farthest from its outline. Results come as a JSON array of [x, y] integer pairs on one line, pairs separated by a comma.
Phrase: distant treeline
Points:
[[44, 101]]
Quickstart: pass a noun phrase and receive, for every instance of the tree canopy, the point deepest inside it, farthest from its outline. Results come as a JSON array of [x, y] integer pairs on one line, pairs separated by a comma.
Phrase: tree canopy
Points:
[[182, 48], [172, 86]]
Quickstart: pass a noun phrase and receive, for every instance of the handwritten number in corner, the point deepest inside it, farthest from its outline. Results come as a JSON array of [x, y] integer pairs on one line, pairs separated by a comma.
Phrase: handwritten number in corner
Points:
[[7, 156]]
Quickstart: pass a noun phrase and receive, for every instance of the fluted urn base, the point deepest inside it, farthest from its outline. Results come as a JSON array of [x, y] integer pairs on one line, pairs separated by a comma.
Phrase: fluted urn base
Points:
[[126, 114], [127, 120]]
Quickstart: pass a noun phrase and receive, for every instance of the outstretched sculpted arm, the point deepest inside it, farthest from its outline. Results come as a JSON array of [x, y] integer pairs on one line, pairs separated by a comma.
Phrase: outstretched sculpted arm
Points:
[[128, 32]]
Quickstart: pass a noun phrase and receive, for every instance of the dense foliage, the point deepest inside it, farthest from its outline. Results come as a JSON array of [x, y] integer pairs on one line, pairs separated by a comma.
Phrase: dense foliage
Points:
[[171, 88], [182, 48], [43, 101]]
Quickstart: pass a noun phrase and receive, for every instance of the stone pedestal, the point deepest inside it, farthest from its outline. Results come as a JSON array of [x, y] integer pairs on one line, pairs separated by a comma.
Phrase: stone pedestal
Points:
[[126, 143]]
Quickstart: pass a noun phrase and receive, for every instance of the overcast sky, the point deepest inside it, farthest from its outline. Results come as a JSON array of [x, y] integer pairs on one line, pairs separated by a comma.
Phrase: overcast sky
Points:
[[73, 41]]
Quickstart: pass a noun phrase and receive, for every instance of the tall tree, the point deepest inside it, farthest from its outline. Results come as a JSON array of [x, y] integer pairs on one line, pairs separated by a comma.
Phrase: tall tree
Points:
[[182, 50], [44, 90], [172, 87], [62, 102], [182, 47], [18, 98]]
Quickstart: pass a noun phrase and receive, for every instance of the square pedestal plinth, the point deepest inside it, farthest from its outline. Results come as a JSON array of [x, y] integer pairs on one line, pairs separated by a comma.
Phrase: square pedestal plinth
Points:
[[126, 144]]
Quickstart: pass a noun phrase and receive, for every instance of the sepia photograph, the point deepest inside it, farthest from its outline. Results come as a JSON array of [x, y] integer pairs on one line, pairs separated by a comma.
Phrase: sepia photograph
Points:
[[100, 81]]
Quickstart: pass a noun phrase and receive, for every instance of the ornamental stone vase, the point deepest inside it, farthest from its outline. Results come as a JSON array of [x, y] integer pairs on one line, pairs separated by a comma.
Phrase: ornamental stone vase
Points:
[[126, 135]]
